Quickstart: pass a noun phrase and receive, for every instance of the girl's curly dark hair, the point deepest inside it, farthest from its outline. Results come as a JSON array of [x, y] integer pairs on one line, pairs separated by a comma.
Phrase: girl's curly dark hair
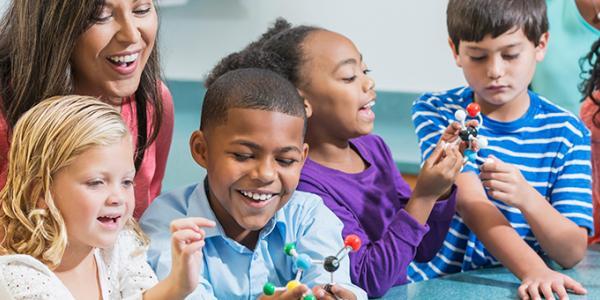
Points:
[[279, 49], [590, 73]]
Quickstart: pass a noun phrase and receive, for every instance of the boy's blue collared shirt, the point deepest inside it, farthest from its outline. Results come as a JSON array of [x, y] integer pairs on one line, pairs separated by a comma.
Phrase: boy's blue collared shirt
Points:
[[232, 271]]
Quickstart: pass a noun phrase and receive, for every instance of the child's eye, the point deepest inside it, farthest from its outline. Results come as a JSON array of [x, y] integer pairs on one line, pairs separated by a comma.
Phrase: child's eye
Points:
[[94, 183], [128, 183], [510, 56], [142, 11], [286, 162], [477, 58], [349, 79], [241, 156], [366, 71]]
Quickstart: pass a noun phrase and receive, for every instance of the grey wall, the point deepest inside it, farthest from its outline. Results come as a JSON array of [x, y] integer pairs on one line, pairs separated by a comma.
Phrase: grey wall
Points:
[[404, 42]]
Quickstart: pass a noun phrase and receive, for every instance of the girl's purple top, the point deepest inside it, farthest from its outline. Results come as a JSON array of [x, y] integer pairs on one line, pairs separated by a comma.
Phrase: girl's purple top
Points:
[[371, 205]]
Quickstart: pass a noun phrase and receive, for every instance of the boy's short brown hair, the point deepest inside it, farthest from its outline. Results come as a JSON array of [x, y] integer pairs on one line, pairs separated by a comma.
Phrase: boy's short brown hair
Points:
[[472, 20]]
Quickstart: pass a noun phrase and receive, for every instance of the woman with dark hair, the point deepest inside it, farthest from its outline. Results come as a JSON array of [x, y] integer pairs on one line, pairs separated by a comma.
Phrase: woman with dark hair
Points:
[[101, 48]]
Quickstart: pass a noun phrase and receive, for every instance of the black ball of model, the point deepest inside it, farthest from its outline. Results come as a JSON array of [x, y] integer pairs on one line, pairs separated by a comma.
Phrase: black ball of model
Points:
[[465, 133], [331, 264]]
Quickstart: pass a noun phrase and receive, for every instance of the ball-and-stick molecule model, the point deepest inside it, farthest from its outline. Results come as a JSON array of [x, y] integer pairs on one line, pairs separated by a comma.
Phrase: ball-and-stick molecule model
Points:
[[469, 133], [303, 262]]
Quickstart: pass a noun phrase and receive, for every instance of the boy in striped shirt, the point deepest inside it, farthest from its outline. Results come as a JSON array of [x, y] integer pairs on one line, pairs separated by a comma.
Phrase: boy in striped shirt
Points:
[[532, 196]]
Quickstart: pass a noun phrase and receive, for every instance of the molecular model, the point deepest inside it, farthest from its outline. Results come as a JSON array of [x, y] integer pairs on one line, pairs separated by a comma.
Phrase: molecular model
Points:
[[469, 133], [303, 262]]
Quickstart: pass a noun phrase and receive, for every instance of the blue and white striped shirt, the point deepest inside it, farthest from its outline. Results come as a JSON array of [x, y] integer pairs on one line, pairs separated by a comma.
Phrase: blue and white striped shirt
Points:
[[551, 148]]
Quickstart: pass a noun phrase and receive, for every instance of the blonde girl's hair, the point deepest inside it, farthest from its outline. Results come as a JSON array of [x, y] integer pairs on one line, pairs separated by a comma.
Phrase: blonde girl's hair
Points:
[[46, 139]]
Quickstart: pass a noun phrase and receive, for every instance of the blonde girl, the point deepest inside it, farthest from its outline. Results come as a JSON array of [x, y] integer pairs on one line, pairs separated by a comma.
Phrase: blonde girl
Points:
[[66, 211]]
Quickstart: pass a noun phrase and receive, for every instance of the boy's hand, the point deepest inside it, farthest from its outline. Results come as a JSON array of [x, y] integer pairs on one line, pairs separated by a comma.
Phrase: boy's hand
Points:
[[545, 282], [335, 292], [187, 240], [439, 172], [296, 294], [505, 182]]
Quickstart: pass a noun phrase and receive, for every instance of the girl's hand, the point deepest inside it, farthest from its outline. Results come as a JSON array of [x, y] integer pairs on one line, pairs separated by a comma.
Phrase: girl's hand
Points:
[[187, 240], [334, 292], [505, 183], [545, 282], [439, 172], [451, 133], [295, 294]]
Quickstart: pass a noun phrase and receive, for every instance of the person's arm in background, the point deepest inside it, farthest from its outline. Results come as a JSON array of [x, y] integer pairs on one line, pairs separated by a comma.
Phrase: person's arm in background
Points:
[[587, 113]]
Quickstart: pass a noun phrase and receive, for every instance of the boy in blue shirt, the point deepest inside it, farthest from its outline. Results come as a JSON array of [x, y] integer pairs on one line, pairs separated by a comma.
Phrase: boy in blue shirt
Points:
[[533, 195], [251, 142]]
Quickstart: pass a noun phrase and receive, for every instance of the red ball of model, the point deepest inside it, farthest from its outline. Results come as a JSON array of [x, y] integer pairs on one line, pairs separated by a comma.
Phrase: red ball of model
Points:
[[352, 241], [473, 109]]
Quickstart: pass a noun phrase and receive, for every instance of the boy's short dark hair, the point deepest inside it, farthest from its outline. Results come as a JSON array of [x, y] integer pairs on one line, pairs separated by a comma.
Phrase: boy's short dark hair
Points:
[[472, 20], [250, 88]]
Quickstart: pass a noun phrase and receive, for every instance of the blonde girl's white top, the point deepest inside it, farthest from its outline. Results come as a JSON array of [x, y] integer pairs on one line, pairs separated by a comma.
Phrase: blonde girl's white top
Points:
[[122, 270]]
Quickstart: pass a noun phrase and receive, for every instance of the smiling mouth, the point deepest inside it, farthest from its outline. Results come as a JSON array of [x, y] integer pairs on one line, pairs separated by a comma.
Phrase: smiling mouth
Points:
[[123, 60], [255, 196], [109, 219], [368, 105]]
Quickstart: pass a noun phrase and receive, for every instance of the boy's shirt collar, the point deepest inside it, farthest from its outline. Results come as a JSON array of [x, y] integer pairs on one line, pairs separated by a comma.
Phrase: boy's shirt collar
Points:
[[200, 207]]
